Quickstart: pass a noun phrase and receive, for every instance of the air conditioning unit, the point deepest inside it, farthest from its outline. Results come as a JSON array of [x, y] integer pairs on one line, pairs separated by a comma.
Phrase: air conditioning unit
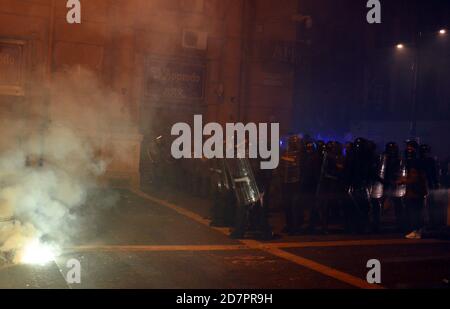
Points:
[[196, 6], [193, 39]]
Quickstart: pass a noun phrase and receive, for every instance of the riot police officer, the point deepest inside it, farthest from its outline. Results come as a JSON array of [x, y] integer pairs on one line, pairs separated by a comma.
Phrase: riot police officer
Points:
[[290, 173], [328, 186], [431, 170], [157, 159], [321, 146], [411, 154], [259, 215], [389, 169], [416, 190], [347, 203], [249, 199], [223, 200], [359, 175], [310, 166]]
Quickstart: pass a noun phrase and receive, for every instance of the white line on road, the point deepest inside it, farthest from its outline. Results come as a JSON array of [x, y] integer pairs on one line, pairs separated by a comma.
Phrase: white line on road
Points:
[[253, 244], [155, 248]]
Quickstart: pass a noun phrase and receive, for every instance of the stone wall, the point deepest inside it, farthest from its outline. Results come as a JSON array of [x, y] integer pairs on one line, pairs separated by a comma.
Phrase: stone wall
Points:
[[246, 75]]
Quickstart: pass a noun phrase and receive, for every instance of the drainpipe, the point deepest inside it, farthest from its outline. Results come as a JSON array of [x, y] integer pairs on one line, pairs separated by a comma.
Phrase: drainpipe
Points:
[[244, 47], [46, 97], [51, 29]]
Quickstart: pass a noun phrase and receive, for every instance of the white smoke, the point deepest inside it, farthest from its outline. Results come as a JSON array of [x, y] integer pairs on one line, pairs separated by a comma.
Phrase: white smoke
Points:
[[49, 165], [42, 183]]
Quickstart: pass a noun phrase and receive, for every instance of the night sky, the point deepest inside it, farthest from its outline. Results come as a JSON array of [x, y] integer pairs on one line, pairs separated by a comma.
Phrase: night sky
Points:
[[352, 71]]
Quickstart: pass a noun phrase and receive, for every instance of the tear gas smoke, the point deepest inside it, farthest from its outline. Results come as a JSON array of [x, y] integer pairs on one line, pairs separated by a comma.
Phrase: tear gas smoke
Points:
[[50, 164]]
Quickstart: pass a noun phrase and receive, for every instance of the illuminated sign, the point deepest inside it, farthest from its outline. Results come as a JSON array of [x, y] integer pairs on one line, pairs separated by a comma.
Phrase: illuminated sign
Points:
[[11, 67]]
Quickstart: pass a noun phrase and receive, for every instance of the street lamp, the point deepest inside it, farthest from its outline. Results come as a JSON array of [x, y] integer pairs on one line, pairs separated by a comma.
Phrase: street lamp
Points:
[[417, 46]]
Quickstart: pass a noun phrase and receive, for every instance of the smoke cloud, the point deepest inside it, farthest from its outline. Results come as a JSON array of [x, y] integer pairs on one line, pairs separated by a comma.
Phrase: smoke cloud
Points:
[[51, 161]]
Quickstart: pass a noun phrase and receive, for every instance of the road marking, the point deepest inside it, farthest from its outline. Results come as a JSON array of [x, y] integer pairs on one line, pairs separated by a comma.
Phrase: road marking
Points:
[[416, 259], [323, 269], [61, 272], [182, 211], [248, 244], [253, 244], [352, 243], [155, 248]]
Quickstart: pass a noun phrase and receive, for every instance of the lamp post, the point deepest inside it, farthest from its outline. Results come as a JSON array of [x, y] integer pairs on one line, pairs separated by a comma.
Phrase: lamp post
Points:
[[417, 47], [415, 68]]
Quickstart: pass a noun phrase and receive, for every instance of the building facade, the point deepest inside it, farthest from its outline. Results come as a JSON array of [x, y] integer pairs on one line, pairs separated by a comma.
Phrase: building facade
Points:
[[145, 65]]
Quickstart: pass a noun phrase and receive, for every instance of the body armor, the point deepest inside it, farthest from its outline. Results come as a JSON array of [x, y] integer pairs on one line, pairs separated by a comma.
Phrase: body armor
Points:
[[222, 210], [411, 159], [377, 190], [430, 166], [291, 161], [291, 168], [360, 178], [323, 172], [219, 177], [360, 165], [243, 181], [394, 170], [311, 168], [332, 165], [400, 189], [358, 193]]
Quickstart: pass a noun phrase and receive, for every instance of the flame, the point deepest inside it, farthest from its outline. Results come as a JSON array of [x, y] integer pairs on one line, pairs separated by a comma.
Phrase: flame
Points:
[[36, 253]]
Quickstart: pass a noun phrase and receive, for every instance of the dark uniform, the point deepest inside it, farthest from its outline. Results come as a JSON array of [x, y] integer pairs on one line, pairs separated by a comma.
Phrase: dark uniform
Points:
[[259, 216], [328, 190], [390, 168], [290, 173], [416, 188], [431, 169], [156, 164], [310, 166], [223, 199], [359, 175], [248, 199]]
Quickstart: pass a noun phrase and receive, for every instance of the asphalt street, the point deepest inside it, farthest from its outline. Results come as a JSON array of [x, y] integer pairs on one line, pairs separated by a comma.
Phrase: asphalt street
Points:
[[146, 242]]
